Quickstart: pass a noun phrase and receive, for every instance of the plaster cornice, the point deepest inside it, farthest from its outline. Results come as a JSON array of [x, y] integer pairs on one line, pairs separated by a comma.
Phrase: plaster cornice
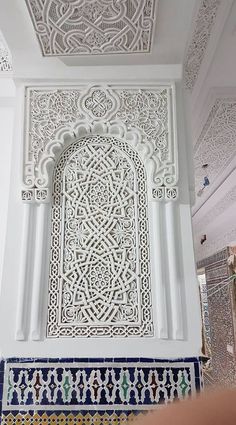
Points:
[[209, 149], [203, 25]]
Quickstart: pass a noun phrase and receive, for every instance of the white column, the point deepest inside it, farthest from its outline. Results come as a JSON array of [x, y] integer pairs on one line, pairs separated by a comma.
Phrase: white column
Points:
[[36, 305], [22, 310], [174, 257], [158, 268]]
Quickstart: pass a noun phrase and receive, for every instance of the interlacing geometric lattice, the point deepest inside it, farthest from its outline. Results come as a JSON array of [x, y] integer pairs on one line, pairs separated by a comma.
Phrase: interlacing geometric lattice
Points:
[[91, 27], [100, 271], [88, 418], [144, 111]]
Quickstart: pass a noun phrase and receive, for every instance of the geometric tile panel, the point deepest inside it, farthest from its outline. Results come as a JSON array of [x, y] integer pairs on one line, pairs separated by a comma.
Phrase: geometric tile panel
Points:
[[74, 388], [82, 418]]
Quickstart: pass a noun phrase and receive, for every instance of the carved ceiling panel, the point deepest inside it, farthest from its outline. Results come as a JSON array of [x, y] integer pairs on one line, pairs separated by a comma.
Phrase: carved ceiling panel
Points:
[[203, 26], [93, 27]]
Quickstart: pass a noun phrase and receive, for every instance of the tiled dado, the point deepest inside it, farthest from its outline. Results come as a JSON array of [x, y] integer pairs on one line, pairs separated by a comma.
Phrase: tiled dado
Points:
[[92, 391]]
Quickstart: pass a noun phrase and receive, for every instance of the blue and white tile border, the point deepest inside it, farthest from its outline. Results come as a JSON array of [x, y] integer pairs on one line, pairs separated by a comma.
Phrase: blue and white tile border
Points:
[[110, 378]]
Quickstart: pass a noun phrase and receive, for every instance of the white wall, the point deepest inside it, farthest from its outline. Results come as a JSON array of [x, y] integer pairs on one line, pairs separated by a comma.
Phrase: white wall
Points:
[[7, 92]]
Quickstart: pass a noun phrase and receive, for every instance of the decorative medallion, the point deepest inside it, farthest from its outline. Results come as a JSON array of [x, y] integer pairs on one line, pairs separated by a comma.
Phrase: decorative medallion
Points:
[[99, 103]]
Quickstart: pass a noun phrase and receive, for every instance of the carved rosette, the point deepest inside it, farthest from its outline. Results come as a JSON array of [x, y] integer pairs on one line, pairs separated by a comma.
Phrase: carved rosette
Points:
[[99, 103], [58, 117]]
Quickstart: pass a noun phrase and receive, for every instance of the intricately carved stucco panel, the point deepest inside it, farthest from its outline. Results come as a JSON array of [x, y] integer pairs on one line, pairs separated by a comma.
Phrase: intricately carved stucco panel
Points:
[[99, 273], [216, 145], [202, 31], [91, 27], [5, 56], [58, 115]]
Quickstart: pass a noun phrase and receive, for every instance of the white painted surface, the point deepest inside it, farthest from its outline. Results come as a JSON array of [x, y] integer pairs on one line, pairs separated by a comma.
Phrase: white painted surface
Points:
[[7, 93]]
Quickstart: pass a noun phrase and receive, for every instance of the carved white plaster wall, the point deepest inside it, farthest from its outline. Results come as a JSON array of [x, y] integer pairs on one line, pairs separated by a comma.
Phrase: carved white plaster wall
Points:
[[216, 145], [124, 140], [218, 242], [203, 26], [91, 27]]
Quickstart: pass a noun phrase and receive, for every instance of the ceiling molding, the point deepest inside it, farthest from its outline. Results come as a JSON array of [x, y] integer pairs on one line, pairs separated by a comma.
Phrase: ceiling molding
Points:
[[203, 26], [93, 28], [5, 57], [222, 240], [204, 108], [219, 208], [209, 149]]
